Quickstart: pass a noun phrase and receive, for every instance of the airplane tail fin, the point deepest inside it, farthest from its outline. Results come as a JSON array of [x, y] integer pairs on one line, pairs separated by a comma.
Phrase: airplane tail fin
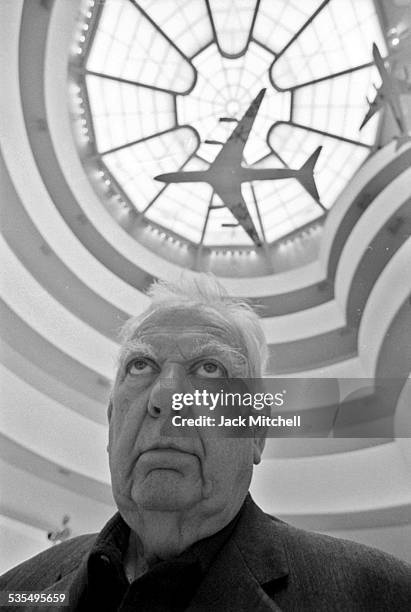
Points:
[[306, 174]]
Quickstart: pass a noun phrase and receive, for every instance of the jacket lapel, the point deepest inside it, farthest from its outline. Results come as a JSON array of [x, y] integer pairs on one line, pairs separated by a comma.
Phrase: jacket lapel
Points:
[[253, 556], [71, 581]]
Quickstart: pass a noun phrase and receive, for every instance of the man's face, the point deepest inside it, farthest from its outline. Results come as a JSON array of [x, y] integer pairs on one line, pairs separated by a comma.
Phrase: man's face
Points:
[[151, 467]]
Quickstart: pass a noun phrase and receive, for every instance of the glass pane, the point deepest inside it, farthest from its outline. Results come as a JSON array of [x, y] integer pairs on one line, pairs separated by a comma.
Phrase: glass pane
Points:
[[278, 21], [135, 167], [125, 113], [340, 37], [134, 48], [233, 21], [225, 88], [185, 22]]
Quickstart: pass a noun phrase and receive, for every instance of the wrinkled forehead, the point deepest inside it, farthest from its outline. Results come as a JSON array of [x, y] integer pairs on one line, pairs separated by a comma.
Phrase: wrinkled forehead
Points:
[[181, 326]]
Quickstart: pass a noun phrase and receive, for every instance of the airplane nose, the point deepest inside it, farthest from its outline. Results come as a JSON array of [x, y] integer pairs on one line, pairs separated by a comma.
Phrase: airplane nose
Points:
[[160, 177]]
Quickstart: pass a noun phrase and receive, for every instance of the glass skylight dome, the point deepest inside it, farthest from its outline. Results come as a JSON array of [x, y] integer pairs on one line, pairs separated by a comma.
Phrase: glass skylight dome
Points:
[[158, 75]]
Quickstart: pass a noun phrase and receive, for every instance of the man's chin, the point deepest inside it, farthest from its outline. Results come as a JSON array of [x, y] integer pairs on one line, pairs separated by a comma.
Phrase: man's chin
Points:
[[166, 491]]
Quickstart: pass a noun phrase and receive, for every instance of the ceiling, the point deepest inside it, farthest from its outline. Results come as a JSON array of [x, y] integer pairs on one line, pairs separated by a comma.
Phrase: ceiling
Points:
[[151, 81]]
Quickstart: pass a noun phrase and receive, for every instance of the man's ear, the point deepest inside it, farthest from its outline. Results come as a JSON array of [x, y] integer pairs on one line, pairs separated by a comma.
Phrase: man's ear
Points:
[[258, 445]]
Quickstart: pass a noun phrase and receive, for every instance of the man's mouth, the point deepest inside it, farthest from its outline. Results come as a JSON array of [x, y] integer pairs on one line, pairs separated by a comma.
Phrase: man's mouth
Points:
[[166, 457], [166, 448]]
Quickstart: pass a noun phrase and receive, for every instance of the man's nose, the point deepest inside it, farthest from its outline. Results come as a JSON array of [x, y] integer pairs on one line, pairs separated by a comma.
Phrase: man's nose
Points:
[[173, 379]]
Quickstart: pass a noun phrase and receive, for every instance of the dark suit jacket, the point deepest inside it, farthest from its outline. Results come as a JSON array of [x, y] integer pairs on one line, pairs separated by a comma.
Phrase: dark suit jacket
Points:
[[266, 565]]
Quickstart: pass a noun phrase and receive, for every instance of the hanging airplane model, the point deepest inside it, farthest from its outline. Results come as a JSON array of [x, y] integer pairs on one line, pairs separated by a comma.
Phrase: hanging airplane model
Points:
[[389, 95], [226, 173]]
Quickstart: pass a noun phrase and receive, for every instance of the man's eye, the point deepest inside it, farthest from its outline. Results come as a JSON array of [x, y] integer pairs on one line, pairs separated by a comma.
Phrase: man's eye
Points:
[[210, 369], [137, 367]]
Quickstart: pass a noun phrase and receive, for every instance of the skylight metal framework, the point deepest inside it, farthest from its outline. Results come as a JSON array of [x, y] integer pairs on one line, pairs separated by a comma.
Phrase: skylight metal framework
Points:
[[159, 74]]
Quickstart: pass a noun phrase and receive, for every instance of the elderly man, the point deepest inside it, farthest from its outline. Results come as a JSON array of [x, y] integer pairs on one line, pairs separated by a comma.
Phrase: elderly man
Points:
[[187, 535]]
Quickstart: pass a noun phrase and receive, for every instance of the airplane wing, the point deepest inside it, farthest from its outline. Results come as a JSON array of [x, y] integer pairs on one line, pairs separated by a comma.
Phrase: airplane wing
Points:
[[373, 107], [236, 204], [231, 154], [389, 91], [379, 101]]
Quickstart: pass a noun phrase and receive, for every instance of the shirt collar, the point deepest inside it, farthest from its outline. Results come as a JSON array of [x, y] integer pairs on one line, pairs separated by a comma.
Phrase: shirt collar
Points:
[[111, 543]]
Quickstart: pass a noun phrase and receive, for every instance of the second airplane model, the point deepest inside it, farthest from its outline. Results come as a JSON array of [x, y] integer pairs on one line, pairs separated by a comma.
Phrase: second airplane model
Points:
[[388, 95], [226, 173]]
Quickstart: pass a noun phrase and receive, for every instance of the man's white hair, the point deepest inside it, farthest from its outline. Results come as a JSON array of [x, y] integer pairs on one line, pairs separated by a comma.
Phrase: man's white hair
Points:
[[205, 293]]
